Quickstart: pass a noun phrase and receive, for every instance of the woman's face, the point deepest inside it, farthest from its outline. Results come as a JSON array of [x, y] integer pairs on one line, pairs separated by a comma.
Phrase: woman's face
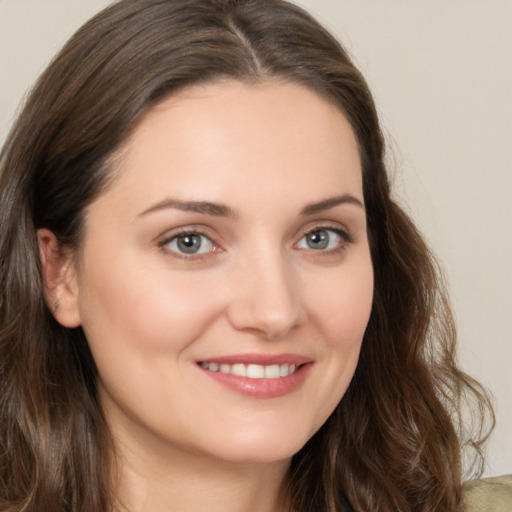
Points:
[[225, 282]]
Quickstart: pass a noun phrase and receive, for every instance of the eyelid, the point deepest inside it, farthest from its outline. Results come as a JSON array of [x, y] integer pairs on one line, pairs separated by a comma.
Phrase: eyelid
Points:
[[337, 227], [165, 239], [340, 230]]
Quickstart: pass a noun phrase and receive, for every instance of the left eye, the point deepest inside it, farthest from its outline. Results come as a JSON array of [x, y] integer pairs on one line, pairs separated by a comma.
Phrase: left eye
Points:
[[190, 243], [320, 240]]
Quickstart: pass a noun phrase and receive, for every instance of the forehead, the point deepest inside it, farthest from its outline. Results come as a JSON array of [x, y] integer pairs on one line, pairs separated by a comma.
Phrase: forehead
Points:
[[230, 141]]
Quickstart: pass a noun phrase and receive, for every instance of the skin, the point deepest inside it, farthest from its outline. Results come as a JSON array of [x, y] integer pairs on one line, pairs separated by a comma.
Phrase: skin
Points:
[[257, 286]]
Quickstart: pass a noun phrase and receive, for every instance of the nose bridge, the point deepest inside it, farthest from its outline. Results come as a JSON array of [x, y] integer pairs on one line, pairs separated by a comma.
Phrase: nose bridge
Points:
[[265, 298]]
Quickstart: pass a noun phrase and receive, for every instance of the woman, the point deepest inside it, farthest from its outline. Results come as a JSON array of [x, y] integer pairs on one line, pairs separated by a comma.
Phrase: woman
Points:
[[209, 298]]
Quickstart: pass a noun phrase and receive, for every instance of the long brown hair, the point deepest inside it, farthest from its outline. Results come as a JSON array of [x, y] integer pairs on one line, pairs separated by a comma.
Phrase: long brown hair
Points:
[[394, 441]]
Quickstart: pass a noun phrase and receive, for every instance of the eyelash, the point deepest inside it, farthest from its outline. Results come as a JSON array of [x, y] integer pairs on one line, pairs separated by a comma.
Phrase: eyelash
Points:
[[182, 233], [345, 240]]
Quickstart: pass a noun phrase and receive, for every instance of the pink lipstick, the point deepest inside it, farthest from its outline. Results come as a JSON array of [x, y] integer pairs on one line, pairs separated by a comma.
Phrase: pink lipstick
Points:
[[258, 375]]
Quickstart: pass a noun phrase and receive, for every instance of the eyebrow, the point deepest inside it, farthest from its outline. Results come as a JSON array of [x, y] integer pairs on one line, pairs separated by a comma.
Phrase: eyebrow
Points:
[[203, 207], [327, 204], [221, 210]]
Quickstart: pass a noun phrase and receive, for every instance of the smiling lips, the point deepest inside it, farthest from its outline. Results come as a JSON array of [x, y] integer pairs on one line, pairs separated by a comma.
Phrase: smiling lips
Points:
[[252, 371], [259, 376]]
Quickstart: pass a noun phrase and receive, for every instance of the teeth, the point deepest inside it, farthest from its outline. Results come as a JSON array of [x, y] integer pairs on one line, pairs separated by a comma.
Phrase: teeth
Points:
[[252, 371], [272, 372], [255, 371], [240, 370]]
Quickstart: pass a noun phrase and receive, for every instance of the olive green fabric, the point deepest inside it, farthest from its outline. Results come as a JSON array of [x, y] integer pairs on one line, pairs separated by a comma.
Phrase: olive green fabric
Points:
[[489, 494]]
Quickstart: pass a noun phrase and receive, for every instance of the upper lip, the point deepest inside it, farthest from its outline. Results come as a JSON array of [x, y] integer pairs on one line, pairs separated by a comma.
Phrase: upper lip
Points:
[[261, 359]]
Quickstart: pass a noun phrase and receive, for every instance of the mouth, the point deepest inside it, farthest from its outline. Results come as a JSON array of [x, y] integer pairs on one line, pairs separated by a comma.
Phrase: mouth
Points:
[[252, 371], [259, 376]]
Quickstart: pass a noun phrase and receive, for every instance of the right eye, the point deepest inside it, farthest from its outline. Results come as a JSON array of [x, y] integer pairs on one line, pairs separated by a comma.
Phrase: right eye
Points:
[[189, 244]]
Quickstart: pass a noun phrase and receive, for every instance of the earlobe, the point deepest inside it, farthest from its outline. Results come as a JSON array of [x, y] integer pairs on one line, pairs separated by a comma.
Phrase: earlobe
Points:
[[60, 279]]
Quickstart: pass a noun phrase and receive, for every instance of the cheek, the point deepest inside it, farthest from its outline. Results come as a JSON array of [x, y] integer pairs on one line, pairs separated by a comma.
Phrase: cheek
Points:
[[139, 331], [341, 312], [342, 306], [145, 309]]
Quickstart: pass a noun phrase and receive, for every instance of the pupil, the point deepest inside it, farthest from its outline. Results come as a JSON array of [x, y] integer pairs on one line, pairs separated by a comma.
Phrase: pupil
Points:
[[318, 240], [189, 243]]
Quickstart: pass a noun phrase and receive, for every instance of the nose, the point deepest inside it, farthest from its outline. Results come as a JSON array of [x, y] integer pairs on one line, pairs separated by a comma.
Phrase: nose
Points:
[[265, 299]]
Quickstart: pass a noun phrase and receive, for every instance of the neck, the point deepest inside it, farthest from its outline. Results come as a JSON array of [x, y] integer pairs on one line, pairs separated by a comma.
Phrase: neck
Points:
[[174, 480]]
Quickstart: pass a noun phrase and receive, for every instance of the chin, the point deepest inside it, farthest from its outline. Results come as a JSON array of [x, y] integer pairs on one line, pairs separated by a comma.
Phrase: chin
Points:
[[262, 447]]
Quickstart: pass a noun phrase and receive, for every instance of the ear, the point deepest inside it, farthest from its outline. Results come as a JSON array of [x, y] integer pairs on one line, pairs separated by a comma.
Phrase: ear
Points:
[[60, 279]]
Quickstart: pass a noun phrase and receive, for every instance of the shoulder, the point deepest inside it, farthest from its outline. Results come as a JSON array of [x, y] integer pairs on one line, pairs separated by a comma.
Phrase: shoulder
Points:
[[489, 494]]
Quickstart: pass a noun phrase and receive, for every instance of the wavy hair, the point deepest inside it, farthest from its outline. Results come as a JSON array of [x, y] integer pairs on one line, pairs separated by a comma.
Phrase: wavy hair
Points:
[[394, 441]]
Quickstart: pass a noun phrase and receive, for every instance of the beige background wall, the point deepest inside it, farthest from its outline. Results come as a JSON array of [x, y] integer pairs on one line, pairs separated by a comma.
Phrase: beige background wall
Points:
[[441, 72]]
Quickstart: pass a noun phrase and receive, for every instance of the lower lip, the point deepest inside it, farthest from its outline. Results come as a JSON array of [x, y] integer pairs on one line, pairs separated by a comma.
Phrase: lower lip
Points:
[[262, 388]]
